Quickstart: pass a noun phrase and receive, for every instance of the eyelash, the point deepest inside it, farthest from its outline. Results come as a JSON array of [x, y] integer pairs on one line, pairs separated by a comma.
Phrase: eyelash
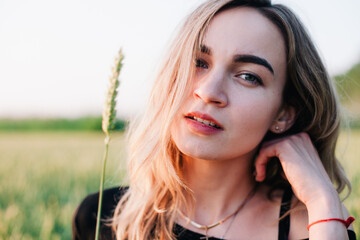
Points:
[[255, 81], [200, 63]]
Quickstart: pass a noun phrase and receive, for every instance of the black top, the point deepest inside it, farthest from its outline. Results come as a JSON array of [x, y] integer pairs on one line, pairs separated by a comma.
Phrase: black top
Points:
[[84, 221]]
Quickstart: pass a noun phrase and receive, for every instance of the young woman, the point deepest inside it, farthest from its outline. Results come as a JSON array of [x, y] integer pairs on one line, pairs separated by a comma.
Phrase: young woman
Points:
[[238, 141]]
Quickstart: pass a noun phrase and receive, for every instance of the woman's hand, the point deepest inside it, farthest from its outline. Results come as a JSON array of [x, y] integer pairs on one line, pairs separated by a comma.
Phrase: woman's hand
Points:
[[310, 182], [301, 165]]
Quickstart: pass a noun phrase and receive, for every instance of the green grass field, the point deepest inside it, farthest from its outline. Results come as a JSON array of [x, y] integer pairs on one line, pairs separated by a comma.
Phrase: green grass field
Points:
[[44, 176]]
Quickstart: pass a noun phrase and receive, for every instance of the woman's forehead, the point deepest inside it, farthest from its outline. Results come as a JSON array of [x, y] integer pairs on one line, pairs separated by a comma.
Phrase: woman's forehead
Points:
[[245, 30]]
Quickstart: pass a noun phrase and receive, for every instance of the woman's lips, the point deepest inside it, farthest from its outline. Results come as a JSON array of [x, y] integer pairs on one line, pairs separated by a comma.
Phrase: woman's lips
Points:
[[203, 123]]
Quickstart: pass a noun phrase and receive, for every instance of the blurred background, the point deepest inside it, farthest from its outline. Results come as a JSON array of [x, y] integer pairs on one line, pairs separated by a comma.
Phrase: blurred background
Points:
[[55, 61]]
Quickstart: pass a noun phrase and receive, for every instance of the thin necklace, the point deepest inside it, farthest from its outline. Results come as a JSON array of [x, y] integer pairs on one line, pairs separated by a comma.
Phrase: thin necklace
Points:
[[207, 227], [227, 229]]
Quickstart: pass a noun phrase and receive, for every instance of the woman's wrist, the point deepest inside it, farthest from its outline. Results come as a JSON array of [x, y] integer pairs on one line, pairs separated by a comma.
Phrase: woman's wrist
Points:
[[324, 206]]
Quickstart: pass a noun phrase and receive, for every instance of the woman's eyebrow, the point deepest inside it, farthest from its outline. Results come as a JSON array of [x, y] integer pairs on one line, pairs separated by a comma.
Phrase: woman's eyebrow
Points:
[[205, 49], [253, 59], [246, 58]]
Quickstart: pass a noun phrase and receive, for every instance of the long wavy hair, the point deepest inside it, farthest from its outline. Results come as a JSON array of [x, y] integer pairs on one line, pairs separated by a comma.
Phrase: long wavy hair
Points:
[[156, 192]]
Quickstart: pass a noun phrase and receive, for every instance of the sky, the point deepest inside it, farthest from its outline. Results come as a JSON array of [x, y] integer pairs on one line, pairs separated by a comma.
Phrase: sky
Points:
[[56, 56]]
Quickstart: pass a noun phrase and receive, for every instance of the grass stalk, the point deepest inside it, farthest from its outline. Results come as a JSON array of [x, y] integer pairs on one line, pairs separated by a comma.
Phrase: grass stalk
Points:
[[108, 119]]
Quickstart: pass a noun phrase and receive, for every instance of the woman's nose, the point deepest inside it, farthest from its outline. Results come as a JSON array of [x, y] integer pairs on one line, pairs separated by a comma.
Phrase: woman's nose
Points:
[[211, 89]]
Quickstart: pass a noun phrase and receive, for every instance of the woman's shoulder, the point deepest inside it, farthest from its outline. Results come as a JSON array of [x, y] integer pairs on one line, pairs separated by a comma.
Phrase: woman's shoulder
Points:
[[84, 219]]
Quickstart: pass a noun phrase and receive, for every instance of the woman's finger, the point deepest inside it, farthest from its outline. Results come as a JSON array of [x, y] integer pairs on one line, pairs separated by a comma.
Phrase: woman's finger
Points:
[[264, 155]]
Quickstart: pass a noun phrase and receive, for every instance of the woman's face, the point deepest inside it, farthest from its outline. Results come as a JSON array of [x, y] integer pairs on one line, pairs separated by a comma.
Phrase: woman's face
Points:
[[236, 93]]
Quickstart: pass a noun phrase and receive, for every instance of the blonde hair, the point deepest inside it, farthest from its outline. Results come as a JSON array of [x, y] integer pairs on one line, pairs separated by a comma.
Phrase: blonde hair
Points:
[[148, 209]]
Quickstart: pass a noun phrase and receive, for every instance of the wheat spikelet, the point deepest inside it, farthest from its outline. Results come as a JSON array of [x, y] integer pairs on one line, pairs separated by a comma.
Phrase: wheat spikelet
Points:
[[109, 112]]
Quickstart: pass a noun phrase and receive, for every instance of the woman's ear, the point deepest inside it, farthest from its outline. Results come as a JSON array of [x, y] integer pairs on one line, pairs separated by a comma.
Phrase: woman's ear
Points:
[[284, 120]]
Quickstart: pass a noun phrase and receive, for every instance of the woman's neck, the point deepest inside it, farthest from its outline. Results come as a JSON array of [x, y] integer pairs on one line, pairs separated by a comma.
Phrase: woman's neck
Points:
[[219, 187]]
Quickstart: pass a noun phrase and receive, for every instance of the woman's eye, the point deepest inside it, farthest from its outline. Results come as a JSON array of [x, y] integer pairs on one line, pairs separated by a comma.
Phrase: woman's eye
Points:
[[251, 78], [201, 64]]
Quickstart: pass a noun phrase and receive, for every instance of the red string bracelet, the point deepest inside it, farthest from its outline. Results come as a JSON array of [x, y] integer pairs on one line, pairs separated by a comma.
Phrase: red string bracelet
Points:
[[346, 222]]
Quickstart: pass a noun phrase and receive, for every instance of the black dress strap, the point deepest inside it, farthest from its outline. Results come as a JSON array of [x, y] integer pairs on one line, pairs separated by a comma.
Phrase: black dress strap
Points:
[[284, 223]]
